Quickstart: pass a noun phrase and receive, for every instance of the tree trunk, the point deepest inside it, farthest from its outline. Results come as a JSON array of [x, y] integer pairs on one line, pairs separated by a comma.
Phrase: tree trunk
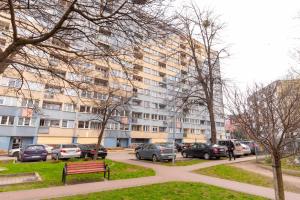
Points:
[[277, 176], [213, 129], [99, 142]]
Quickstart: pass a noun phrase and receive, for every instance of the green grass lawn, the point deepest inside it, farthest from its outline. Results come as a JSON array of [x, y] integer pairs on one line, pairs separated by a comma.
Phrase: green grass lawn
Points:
[[236, 174], [51, 173], [288, 167], [168, 191]]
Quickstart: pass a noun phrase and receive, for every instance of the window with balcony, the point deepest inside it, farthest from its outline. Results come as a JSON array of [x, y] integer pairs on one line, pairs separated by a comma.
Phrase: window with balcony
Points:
[[49, 122], [52, 105], [95, 125], [101, 82], [146, 128], [154, 129], [26, 121], [84, 108], [7, 120], [146, 116], [68, 123], [136, 128], [30, 103], [83, 124], [162, 129], [69, 107]]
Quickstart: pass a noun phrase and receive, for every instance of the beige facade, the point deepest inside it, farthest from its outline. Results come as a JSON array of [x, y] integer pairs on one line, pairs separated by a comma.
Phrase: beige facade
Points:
[[63, 117]]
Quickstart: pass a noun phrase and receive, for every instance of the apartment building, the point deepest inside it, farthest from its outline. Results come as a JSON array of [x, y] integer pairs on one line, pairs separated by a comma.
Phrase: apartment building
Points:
[[45, 112]]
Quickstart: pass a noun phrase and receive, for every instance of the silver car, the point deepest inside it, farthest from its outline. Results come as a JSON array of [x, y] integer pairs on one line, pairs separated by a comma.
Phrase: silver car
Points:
[[66, 151], [156, 152]]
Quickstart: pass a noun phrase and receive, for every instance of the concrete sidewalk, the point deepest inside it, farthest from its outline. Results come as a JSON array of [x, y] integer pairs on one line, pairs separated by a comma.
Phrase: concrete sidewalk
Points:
[[163, 174]]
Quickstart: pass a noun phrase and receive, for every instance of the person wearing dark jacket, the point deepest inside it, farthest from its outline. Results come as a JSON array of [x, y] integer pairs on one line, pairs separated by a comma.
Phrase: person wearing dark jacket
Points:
[[231, 150]]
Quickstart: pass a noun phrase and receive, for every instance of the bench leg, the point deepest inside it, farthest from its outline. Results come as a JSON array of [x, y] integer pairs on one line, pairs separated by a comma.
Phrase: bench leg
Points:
[[64, 177], [108, 174]]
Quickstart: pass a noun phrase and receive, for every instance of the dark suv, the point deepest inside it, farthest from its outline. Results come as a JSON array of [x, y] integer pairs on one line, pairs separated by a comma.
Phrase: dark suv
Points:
[[89, 150], [32, 153]]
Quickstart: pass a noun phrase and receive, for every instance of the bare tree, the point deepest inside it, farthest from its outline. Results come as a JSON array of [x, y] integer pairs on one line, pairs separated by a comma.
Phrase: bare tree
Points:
[[47, 37], [112, 108], [270, 116], [201, 33]]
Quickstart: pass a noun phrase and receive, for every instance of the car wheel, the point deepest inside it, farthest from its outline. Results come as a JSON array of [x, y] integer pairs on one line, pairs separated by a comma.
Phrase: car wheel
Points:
[[16, 154], [206, 156], [154, 158], [218, 158], [137, 155], [103, 157], [184, 154]]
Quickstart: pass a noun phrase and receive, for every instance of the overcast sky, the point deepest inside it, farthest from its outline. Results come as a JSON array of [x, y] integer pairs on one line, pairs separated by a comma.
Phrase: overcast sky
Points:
[[262, 35]]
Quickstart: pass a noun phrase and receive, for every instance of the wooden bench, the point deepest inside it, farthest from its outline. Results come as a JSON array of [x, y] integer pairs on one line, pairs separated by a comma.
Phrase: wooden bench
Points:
[[85, 168]]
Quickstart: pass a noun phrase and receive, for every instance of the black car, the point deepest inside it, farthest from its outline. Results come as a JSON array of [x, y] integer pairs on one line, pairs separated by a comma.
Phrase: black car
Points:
[[89, 150], [179, 147], [33, 153], [205, 151]]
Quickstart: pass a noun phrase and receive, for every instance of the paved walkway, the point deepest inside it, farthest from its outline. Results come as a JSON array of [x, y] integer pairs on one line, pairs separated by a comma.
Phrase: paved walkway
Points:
[[163, 174]]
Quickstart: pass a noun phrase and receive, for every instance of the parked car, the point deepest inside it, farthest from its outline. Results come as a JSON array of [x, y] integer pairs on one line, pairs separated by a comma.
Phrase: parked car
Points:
[[179, 147], [139, 147], [66, 151], [33, 152], [252, 145], [89, 150], [246, 149], [14, 152], [205, 151], [48, 148], [238, 151], [156, 152]]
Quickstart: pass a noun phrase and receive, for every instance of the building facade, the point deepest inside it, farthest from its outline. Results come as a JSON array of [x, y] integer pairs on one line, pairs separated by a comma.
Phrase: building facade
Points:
[[47, 113]]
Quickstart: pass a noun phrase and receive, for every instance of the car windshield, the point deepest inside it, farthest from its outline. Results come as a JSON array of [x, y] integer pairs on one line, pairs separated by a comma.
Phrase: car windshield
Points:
[[68, 146]]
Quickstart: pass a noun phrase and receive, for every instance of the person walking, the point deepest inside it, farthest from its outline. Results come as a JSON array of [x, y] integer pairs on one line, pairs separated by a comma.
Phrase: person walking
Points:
[[231, 148]]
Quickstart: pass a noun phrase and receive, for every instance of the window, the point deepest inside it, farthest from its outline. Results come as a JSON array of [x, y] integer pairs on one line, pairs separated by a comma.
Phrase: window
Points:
[[86, 94], [53, 89], [95, 125], [146, 116], [69, 107], [124, 127], [83, 124], [154, 129], [162, 129], [86, 109], [30, 103], [26, 121], [7, 120], [146, 128], [154, 116], [49, 122], [14, 83], [162, 117], [52, 105], [68, 124]]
